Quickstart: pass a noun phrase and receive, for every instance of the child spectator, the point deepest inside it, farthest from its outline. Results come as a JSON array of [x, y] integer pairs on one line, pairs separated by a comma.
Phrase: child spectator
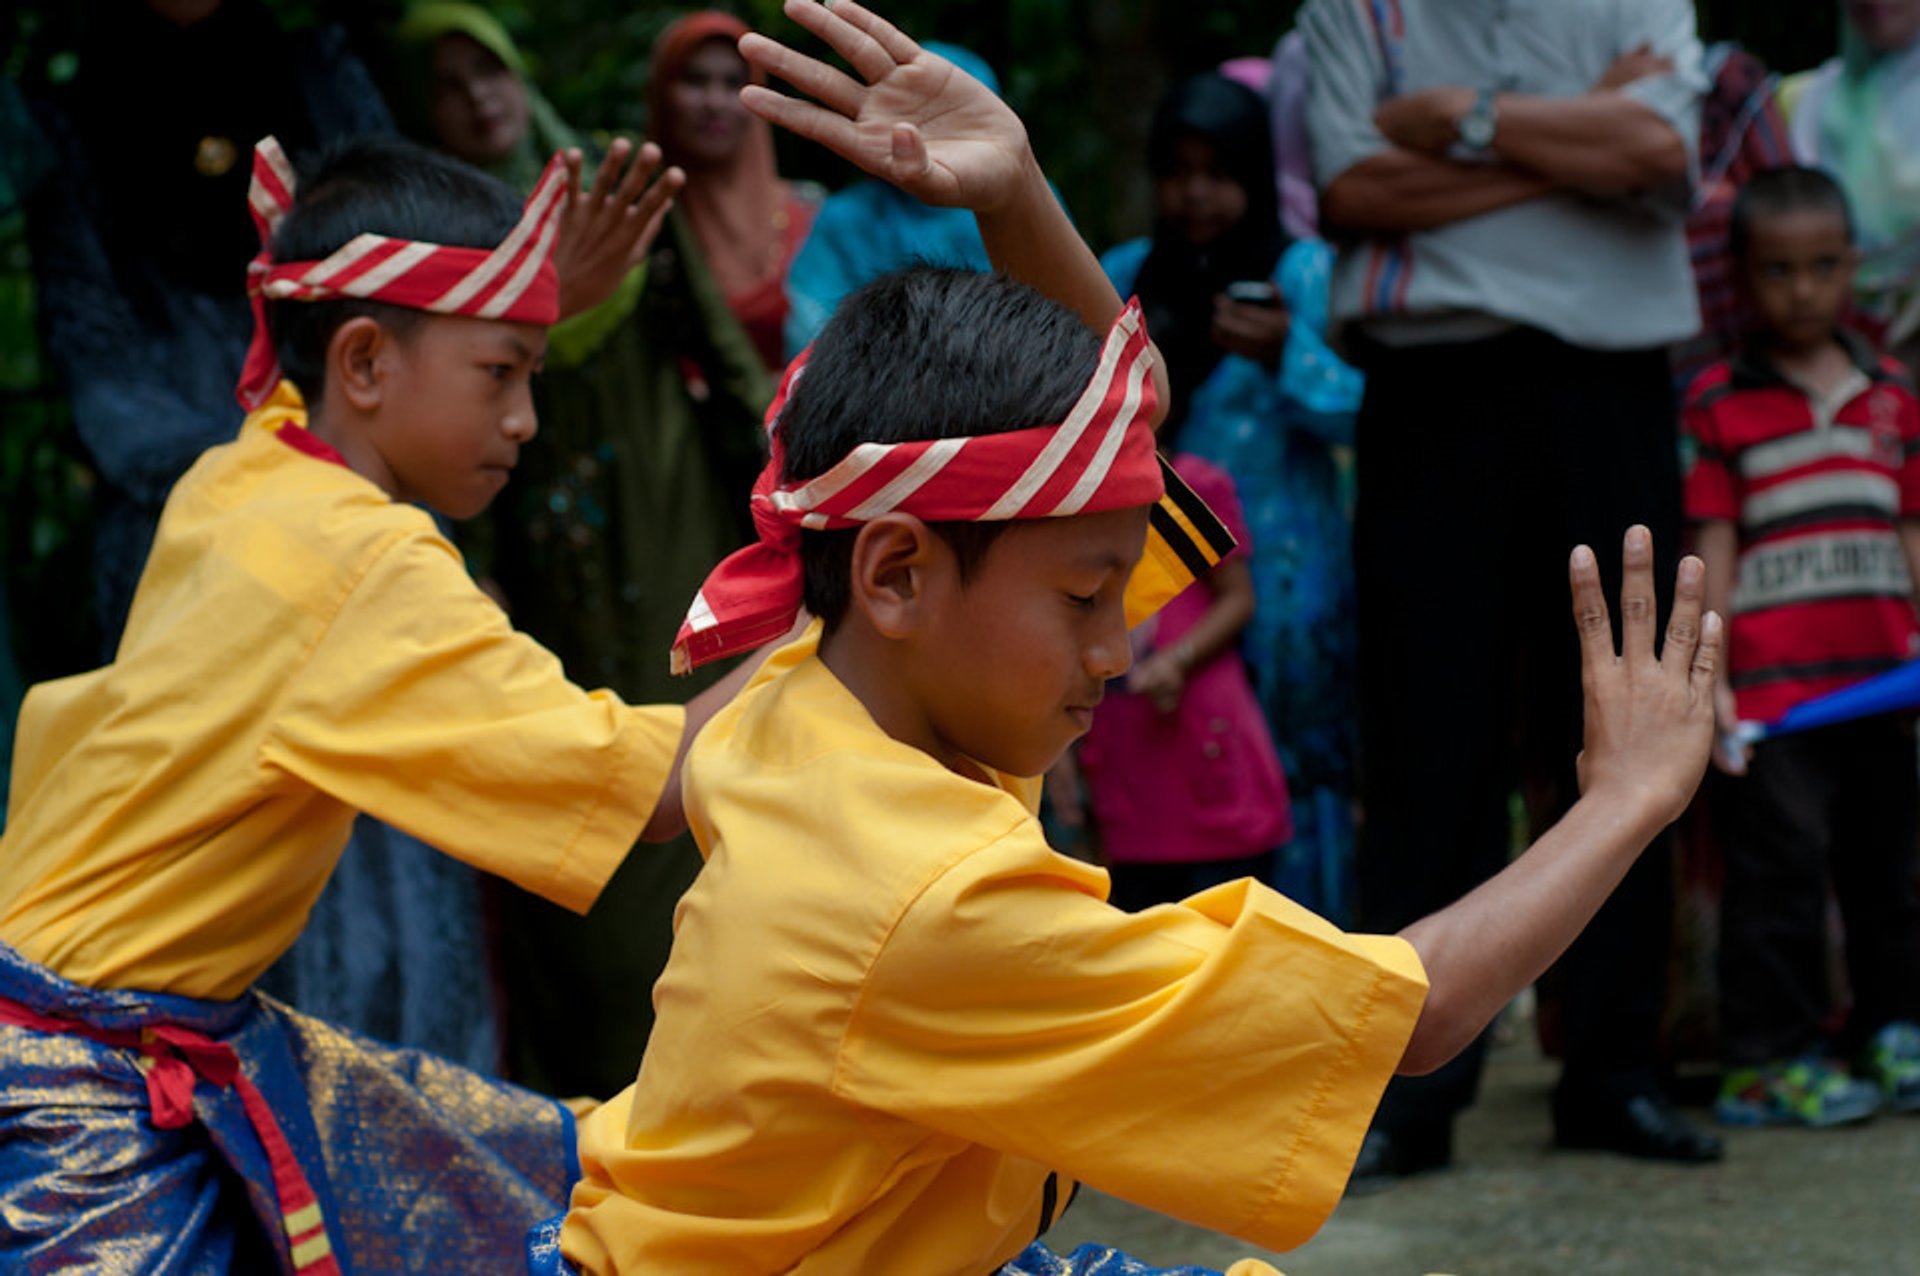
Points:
[[305, 644], [896, 1027], [1804, 486], [1185, 786], [1241, 314]]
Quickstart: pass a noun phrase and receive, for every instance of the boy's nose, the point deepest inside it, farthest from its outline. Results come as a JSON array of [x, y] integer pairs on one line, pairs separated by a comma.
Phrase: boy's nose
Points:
[[521, 424], [1110, 654]]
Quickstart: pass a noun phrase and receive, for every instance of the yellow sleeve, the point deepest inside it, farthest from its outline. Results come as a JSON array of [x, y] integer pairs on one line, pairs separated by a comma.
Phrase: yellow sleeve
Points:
[[1217, 1060], [421, 705]]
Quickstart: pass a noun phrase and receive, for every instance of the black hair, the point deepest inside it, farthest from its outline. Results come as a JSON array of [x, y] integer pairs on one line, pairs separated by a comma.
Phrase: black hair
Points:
[[1774, 191], [927, 353], [1234, 120], [382, 186], [1178, 281]]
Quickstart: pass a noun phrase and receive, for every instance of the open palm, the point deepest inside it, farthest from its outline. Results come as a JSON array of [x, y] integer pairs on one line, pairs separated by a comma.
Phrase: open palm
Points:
[[911, 118]]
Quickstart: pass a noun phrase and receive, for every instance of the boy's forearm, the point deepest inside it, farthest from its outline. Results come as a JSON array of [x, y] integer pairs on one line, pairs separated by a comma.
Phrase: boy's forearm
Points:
[[1481, 951], [1030, 238]]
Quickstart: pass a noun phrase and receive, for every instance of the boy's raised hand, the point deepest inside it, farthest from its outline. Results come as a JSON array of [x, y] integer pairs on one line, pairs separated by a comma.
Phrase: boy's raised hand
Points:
[[607, 230], [1649, 718], [912, 118]]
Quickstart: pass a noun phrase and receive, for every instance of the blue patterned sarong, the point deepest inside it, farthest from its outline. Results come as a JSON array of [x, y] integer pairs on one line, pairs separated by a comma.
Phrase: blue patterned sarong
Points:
[[417, 1164], [1090, 1260], [544, 1259]]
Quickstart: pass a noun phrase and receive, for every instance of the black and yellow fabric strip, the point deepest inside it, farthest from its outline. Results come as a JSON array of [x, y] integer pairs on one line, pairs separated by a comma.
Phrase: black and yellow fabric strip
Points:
[[1185, 540]]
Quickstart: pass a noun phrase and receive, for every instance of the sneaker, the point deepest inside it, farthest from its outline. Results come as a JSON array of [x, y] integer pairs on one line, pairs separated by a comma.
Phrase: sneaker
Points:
[[1892, 1061], [1809, 1092]]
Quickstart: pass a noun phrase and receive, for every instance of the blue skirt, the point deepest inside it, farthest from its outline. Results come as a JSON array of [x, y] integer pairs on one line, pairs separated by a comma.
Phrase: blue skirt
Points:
[[415, 1164], [544, 1259]]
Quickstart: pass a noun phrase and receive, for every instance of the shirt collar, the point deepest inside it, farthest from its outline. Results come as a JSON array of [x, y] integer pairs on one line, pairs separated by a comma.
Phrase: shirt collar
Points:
[[1754, 369]]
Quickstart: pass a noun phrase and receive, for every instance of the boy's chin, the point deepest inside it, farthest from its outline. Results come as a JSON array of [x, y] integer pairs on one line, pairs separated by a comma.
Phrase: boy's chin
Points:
[[1033, 764], [460, 511]]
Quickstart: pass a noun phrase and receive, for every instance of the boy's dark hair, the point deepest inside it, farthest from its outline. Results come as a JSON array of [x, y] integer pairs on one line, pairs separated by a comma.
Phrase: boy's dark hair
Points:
[[383, 186], [927, 353], [1774, 191]]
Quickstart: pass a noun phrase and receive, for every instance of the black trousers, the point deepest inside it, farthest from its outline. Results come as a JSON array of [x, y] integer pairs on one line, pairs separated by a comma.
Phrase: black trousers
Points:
[[1839, 804], [1480, 466]]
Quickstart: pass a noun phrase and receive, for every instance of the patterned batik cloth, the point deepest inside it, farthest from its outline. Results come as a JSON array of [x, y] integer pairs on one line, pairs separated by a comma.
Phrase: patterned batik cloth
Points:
[[1090, 1260], [544, 1259], [416, 1164]]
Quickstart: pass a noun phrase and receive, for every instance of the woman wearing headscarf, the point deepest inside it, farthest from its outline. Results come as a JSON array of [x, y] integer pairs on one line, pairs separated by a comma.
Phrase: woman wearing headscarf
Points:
[[636, 485], [749, 222], [1858, 116], [1239, 313]]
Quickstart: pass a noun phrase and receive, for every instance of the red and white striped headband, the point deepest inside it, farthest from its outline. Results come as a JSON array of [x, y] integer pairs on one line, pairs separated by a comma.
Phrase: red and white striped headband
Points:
[[514, 281], [1100, 458]]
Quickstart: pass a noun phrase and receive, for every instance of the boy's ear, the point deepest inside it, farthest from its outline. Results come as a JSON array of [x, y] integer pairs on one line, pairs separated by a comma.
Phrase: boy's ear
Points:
[[895, 558], [358, 358]]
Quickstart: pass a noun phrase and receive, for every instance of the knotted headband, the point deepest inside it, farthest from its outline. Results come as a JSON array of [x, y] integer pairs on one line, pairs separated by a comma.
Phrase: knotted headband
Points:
[[514, 281], [1101, 457]]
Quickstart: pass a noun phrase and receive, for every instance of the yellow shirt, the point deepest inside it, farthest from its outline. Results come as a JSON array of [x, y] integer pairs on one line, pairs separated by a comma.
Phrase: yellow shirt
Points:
[[300, 648], [892, 1013]]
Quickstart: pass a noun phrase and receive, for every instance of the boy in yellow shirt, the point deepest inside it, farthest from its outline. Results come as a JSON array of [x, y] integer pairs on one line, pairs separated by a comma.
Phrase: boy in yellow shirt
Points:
[[897, 1029], [304, 645]]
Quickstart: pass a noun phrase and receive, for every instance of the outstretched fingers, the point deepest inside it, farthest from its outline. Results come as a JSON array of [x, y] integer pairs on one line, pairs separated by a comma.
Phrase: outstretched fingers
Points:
[[1590, 614], [606, 178], [871, 45], [1706, 657], [651, 211], [1683, 626], [1638, 610], [634, 182], [805, 119], [837, 90]]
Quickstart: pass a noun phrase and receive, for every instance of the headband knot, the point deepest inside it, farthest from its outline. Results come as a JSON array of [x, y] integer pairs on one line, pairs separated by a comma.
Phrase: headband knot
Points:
[[514, 281], [1101, 457]]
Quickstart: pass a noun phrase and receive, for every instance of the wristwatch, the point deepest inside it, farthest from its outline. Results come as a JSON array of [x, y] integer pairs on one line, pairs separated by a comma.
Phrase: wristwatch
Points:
[[1477, 126]]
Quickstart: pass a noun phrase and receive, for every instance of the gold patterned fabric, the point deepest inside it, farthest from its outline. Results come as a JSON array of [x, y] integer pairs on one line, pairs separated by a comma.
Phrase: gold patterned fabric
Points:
[[417, 1164]]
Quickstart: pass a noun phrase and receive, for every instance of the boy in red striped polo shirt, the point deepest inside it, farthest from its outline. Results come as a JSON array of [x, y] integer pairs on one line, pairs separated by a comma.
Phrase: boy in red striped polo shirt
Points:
[[1804, 485]]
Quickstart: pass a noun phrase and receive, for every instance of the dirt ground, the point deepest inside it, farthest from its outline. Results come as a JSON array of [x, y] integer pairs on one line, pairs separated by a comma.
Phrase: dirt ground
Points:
[[1783, 1203]]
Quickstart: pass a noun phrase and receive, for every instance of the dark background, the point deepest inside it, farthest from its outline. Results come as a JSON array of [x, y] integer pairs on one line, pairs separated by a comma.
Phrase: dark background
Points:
[[1083, 73]]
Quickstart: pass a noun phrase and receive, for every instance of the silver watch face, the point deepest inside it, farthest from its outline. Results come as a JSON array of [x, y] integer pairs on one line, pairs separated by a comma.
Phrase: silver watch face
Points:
[[1476, 126]]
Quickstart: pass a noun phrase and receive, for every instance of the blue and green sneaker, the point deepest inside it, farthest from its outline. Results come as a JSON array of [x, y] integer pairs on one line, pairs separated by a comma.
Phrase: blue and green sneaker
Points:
[[1892, 1061], [1811, 1092]]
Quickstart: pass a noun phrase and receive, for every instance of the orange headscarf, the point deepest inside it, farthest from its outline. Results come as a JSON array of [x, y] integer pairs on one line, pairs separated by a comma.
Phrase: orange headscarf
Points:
[[748, 222]]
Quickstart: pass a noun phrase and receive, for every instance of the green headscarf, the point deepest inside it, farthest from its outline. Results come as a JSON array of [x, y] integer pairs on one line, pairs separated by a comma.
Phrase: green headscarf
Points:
[[572, 340], [421, 28]]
